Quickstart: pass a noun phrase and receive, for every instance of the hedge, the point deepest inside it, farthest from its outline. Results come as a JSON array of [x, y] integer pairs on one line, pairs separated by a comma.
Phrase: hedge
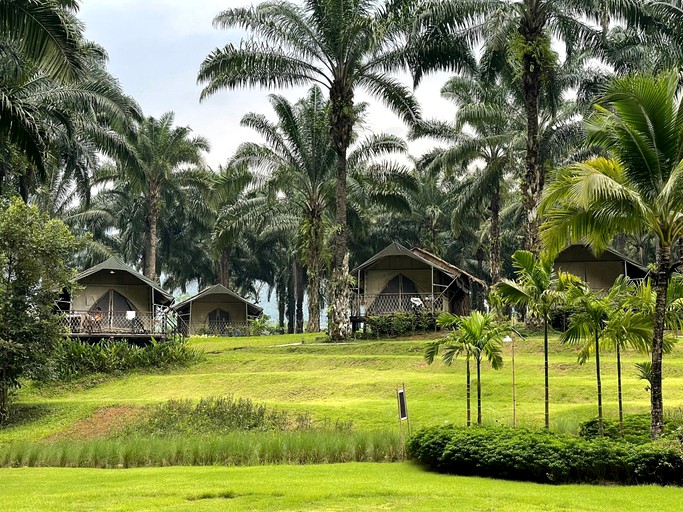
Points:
[[545, 457]]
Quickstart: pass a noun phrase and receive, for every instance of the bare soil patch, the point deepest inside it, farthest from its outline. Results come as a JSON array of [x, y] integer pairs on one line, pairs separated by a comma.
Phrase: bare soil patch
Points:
[[104, 422]]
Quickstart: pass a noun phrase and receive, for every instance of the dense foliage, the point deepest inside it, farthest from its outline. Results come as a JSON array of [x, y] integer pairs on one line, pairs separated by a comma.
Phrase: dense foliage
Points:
[[34, 251], [74, 358], [546, 457]]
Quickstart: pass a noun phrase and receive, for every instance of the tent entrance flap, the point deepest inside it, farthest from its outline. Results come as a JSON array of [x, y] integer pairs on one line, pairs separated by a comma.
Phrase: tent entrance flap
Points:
[[113, 301]]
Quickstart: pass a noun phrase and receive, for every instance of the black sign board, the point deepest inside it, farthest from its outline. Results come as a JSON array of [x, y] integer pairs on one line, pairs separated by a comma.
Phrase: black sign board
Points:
[[402, 407]]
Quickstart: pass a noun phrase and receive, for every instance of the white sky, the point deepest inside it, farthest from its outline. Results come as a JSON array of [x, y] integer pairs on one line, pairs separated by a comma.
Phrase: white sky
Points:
[[156, 46]]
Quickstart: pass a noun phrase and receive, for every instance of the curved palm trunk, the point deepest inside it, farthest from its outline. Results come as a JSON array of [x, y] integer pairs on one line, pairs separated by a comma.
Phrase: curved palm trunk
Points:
[[150, 269], [599, 380], [545, 371], [341, 123], [478, 390], [469, 394], [662, 284], [621, 404], [494, 246], [532, 32]]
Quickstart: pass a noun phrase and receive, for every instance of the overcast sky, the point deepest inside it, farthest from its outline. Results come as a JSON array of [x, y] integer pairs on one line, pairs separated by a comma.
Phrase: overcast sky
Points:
[[156, 46]]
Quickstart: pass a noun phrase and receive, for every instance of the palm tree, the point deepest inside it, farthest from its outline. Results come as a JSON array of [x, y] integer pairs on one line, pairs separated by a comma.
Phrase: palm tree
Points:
[[47, 35], [167, 158], [485, 129], [637, 190], [341, 45], [516, 38], [603, 320], [539, 289], [477, 336]]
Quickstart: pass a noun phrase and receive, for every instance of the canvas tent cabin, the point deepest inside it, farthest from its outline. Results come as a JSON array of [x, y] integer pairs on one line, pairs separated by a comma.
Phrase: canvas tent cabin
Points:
[[398, 279], [113, 300], [216, 310], [600, 271]]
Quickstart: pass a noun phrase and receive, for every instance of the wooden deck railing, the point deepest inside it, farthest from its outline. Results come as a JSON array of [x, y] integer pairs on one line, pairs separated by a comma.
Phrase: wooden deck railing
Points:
[[387, 303], [116, 323], [215, 328]]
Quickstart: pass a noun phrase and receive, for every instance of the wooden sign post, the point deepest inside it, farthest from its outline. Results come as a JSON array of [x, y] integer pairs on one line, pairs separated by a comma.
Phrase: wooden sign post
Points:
[[402, 414]]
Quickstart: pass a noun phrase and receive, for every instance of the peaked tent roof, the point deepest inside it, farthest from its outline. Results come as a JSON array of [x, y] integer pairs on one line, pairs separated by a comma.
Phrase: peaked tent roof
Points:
[[396, 249], [606, 255], [115, 264], [216, 289]]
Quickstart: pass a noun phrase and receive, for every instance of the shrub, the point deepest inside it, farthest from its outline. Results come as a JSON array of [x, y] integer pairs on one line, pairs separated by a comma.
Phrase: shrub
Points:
[[400, 324], [74, 358], [545, 457], [636, 428]]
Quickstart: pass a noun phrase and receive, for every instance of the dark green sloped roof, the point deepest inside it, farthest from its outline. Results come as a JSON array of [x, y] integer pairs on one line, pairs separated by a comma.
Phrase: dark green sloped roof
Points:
[[217, 289], [115, 264]]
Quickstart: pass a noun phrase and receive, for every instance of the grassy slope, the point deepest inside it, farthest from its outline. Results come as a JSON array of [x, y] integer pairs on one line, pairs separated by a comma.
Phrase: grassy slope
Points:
[[357, 382], [365, 487]]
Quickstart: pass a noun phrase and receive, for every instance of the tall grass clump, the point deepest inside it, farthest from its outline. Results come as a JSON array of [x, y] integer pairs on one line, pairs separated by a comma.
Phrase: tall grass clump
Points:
[[74, 358], [214, 415], [234, 449]]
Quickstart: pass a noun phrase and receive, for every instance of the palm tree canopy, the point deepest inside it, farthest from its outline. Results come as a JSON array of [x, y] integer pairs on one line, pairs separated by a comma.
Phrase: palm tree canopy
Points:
[[338, 44]]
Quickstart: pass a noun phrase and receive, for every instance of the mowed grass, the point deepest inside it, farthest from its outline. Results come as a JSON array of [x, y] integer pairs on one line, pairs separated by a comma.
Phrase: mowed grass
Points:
[[356, 382], [335, 487]]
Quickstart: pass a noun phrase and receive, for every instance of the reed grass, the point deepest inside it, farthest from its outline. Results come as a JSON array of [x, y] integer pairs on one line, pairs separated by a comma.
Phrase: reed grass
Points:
[[235, 449]]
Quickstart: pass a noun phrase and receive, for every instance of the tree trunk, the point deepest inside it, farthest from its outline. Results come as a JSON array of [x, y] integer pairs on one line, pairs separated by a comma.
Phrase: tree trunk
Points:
[[494, 241], [291, 303], [619, 395], [224, 267], [314, 266], [532, 76], [469, 416], [661, 286], [545, 370], [299, 290], [150, 268], [281, 292], [341, 128], [601, 427], [478, 391]]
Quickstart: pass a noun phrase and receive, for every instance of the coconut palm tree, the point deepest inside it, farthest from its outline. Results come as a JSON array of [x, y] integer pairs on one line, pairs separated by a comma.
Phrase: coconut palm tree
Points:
[[477, 336], [539, 289], [343, 46], [638, 189]]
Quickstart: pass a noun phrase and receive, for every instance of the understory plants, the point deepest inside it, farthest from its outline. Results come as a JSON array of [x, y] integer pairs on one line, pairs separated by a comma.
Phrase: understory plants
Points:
[[544, 456], [74, 358]]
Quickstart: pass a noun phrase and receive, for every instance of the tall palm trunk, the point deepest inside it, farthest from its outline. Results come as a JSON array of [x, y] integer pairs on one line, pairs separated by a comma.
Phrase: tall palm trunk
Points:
[[599, 380], [314, 267], [619, 395], [341, 127], [479, 389], [494, 245], [531, 31], [299, 291], [150, 269], [291, 303], [469, 394], [224, 267], [662, 284]]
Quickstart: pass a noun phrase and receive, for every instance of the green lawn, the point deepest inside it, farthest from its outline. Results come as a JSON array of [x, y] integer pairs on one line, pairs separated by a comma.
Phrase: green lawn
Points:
[[357, 382], [337, 487]]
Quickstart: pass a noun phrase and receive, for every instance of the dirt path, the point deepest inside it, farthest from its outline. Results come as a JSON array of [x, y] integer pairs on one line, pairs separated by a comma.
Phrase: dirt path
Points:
[[103, 422]]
